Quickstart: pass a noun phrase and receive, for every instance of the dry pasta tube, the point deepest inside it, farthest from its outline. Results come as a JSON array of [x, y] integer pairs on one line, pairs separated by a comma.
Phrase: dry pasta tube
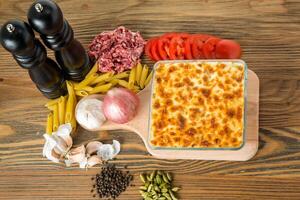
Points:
[[123, 83], [144, 76], [87, 88], [100, 83], [102, 77], [70, 88], [61, 109], [51, 103], [81, 93], [86, 81], [55, 118], [139, 69], [49, 123], [101, 88], [119, 76], [71, 102], [93, 70], [74, 125], [114, 82], [148, 79], [132, 78]]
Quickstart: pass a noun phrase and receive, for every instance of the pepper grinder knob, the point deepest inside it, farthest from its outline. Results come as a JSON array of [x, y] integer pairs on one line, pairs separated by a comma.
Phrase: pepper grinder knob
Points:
[[17, 38], [46, 18]]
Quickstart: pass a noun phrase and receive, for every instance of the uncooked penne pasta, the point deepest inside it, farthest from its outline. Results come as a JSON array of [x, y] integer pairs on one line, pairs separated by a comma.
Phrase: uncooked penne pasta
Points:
[[88, 80], [144, 76], [61, 109], [100, 83], [52, 102], [70, 88], [93, 70], [148, 79], [119, 76], [102, 77], [101, 88], [49, 125], [123, 83], [55, 118], [132, 78], [114, 82], [81, 93], [87, 88], [71, 102], [74, 125], [139, 69]]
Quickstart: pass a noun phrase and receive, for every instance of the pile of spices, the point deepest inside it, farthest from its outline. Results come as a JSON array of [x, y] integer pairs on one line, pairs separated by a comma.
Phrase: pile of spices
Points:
[[158, 186], [111, 182]]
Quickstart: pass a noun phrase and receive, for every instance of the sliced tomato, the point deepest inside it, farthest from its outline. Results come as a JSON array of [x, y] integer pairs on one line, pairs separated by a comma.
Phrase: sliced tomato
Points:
[[148, 48], [196, 45], [209, 47], [188, 48], [228, 49], [163, 48], [154, 50], [177, 50]]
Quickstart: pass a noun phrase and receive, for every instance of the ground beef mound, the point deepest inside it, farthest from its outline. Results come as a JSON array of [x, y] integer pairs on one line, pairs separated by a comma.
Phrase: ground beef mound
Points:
[[117, 50]]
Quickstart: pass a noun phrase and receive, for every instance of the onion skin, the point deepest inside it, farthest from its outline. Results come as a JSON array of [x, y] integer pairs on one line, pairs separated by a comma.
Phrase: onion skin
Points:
[[120, 105]]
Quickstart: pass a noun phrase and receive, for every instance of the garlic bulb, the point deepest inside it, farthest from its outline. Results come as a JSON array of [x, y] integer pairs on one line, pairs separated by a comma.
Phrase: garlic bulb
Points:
[[89, 113], [120, 105], [59, 143]]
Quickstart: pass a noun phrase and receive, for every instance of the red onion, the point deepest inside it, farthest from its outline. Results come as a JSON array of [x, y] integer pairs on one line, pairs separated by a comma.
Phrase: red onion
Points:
[[120, 105]]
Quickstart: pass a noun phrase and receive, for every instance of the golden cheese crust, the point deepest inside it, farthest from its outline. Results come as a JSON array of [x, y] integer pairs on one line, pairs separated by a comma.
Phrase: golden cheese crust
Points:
[[199, 105]]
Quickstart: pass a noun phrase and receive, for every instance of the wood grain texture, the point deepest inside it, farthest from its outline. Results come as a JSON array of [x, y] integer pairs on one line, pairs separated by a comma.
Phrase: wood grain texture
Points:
[[269, 33]]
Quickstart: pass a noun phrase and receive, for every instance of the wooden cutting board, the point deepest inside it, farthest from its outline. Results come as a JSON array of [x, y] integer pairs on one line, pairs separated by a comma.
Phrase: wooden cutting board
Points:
[[140, 126]]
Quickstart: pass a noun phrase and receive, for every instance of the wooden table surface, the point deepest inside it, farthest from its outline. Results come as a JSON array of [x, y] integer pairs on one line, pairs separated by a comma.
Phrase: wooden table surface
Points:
[[269, 33]]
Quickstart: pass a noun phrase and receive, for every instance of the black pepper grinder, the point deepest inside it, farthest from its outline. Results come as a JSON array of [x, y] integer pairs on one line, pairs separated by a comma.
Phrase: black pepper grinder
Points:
[[17, 37], [46, 18]]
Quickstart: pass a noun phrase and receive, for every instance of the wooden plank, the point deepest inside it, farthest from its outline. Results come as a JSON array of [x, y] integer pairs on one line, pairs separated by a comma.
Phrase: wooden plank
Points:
[[269, 33]]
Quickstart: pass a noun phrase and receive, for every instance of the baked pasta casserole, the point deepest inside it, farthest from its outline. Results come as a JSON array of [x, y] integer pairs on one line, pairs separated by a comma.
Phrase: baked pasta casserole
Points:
[[198, 105]]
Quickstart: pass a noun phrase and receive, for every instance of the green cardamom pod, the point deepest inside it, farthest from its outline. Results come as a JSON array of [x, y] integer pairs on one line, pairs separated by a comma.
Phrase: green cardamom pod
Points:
[[164, 190], [165, 178], [172, 195], [158, 179], [152, 175], [169, 176], [156, 188], [175, 189], [162, 198], [159, 172], [149, 188], [142, 178], [143, 188], [167, 196], [148, 178]]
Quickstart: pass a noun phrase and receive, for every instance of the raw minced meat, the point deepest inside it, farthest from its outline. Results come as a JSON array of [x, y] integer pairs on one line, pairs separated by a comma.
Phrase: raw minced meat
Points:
[[117, 50]]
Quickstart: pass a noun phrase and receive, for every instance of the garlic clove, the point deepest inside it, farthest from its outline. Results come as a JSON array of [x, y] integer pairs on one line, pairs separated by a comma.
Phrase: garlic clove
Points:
[[48, 150], [75, 155], [83, 163], [117, 147], [92, 147], [106, 152], [93, 160], [64, 131]]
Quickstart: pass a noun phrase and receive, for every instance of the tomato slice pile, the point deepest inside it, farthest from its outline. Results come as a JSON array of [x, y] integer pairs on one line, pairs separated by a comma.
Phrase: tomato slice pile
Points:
[[180, 46]]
